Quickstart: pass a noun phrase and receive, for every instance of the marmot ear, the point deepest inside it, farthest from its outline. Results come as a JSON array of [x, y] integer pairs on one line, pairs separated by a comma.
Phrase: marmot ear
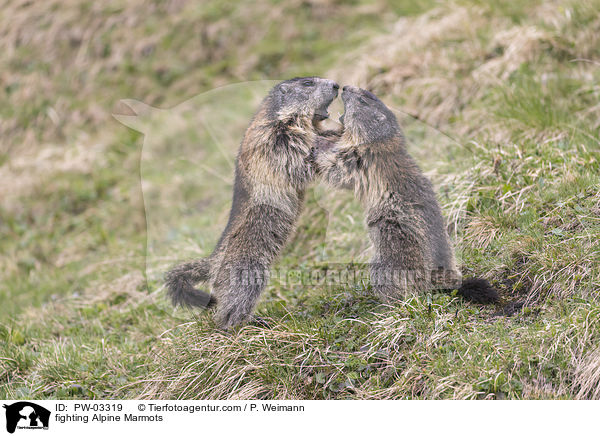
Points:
[[284, 88]]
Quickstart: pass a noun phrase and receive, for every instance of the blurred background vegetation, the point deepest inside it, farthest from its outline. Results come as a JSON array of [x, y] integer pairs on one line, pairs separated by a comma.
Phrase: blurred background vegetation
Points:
[[515, 82]]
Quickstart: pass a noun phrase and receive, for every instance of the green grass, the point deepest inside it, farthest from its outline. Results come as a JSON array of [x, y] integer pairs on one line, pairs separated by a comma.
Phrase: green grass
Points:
[[84, 313], [346, 345]]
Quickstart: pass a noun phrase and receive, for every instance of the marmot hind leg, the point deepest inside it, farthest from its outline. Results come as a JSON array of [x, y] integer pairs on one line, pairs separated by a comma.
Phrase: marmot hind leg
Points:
[[239, 288], [245, 264], [401, 263]]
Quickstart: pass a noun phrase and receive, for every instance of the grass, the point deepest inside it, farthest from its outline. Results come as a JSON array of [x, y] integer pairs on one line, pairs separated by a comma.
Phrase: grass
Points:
[[84, 313]]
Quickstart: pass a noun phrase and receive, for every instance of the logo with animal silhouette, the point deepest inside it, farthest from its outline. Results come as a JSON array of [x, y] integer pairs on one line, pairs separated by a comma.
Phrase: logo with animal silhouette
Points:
[[26, 415]]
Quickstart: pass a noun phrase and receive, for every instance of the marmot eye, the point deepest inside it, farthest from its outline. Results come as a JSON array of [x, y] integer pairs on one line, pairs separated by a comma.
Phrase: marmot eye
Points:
[[308, 82], [362, 100]]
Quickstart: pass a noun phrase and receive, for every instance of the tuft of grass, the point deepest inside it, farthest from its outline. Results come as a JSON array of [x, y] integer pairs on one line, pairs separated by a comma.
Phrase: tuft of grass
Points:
[[359, 348]]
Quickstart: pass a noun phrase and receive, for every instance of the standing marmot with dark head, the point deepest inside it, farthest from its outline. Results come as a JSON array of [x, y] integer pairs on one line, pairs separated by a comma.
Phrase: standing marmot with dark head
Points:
[[404, 219], [272, 170]]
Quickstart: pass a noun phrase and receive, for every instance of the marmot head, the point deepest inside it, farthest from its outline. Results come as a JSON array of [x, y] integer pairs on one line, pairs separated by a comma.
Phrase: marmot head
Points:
[[366, 119], [305, 96]]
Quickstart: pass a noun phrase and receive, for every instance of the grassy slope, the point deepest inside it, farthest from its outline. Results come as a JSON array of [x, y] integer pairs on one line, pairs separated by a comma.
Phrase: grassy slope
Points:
[[78, 318]]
